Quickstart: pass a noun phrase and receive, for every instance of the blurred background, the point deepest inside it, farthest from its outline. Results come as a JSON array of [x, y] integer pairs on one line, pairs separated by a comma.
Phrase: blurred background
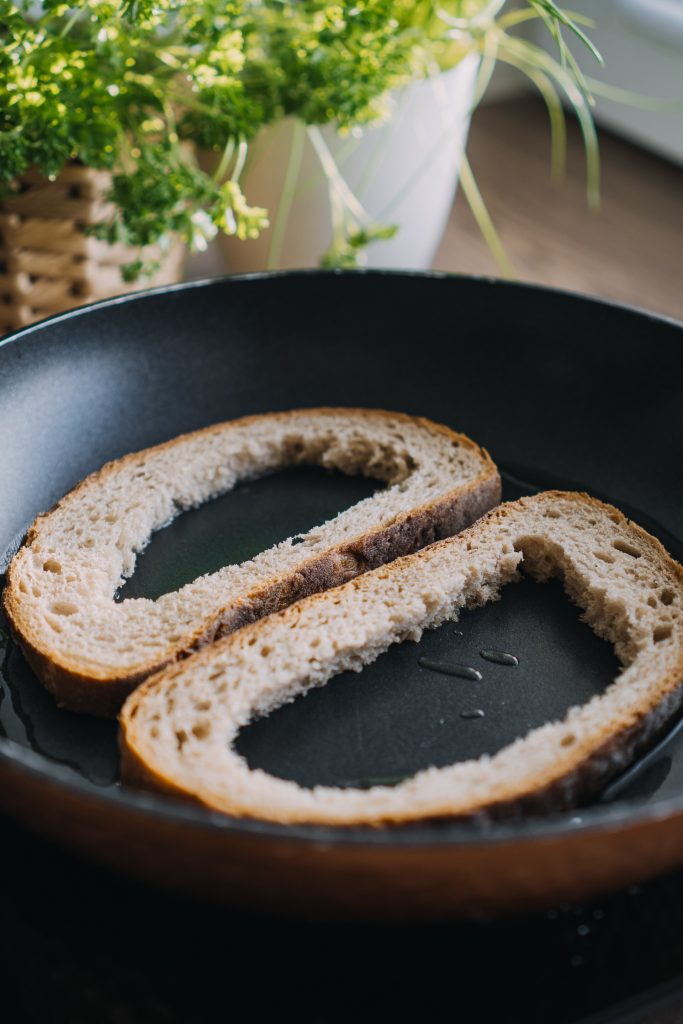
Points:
[[141, 144], [629, 246]]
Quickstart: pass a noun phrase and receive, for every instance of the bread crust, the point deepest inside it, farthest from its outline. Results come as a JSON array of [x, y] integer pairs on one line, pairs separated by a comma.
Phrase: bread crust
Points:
[[83, 688], [587, 751]]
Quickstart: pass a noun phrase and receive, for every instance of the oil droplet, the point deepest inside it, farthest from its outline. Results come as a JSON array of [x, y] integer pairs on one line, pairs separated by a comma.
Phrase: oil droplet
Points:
[[476, 713], [499, 657], [583, 930], [451, 669]]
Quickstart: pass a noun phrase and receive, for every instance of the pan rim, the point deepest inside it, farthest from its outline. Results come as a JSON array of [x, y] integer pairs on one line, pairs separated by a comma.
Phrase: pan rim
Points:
[[314, 272]]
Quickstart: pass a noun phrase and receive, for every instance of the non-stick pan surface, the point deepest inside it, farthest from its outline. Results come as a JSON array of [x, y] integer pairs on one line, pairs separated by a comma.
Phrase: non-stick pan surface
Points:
[[563, 391]]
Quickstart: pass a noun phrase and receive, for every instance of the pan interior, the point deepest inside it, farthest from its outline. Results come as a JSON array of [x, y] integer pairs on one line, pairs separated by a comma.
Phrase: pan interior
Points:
[[541, 378]]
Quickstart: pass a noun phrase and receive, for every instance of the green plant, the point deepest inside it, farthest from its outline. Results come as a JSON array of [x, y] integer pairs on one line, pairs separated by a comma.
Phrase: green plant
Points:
[[136, 86]]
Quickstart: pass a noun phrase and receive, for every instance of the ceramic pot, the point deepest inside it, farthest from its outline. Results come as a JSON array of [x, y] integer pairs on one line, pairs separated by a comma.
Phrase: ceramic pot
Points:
[[403, 172]]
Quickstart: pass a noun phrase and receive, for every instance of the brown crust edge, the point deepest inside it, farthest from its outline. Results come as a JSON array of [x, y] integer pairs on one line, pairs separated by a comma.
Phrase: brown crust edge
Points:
[[103, 697]]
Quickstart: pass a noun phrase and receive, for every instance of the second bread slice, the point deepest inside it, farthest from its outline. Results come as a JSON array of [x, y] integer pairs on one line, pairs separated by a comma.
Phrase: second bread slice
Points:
[[178, 729]]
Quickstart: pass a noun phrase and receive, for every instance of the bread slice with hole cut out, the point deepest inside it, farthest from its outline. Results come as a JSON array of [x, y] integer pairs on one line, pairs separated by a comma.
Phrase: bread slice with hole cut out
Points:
[[178, 730], [90, 651]]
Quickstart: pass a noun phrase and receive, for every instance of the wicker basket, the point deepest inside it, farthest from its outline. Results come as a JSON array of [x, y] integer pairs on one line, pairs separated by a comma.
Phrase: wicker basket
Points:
[[48, 263]]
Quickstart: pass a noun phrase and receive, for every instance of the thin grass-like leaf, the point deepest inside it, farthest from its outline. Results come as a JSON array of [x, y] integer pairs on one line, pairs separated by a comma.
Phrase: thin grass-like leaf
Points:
[[562, 16], [483, 218], [527, 56], [296, 153], [487, 66], [634, 99], [558, 126]]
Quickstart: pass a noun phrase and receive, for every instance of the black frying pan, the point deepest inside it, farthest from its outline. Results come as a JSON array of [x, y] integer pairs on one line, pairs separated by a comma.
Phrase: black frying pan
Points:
[[562, 390]]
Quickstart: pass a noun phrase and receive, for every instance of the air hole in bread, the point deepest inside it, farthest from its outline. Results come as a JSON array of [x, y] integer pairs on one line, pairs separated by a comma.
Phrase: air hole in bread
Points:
[[661, 632], [652, 601], [22, 587], [551, 514], [628, 549], [181, 738], [201, 730], [604, 556], [64, 608], [568, 740], [294, 446], [265, 651], [89, 542], [666, 596], [202, 705], [52, 565]]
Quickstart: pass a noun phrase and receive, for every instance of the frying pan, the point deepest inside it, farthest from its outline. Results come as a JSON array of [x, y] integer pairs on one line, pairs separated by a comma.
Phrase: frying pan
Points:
[[563, 391]]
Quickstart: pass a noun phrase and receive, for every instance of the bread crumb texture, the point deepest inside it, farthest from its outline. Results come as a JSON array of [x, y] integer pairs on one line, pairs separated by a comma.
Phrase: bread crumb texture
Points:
[[91, 651], [178, 729]]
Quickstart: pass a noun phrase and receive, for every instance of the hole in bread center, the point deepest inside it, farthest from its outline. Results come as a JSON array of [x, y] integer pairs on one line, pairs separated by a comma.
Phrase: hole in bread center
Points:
[[396, 717], [240, 524]]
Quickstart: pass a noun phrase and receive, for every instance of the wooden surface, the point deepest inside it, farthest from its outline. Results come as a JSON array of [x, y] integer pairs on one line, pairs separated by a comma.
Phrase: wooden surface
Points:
[[630, 249]]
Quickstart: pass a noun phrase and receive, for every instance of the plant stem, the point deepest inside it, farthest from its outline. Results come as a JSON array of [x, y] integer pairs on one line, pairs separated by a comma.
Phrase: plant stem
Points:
[[335, 177], [483, 219], [226, 157], [296, 153], [242, 151]]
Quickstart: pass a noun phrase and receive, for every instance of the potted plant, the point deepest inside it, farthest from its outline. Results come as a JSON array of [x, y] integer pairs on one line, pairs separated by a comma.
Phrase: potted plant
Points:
[[108, 109]]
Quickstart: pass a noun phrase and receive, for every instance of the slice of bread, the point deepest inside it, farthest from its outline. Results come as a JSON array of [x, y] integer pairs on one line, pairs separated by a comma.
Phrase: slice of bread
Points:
[[178, 729], [90, 651]]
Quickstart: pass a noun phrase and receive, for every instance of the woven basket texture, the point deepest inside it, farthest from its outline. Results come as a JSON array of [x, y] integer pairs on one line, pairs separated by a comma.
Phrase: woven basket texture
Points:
[[48, 263]]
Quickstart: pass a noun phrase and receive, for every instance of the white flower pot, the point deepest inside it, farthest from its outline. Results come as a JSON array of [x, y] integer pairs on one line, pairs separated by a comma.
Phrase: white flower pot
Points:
[[404, 172]]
